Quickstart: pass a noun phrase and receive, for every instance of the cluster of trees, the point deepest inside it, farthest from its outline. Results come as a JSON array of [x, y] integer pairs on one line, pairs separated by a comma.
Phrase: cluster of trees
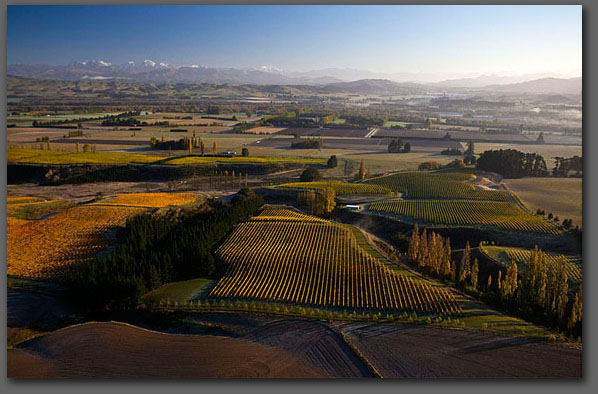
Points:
[[308, 144], [310, 174], [53, 123], [429, 165], [292, 121], [58, 122], [242, 127], [396, 146], [451, 152], [122, 121], [431, 253], [564, 165], [469, 154], [434, 165], [320, 202], [184, 143], [160, 248], [332, 162], [213, 110], [74, 133], [541, 293], [512, 163]]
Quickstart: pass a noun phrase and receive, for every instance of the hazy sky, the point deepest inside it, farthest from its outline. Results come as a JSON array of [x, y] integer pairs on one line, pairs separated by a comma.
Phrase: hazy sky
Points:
[[417, 39]]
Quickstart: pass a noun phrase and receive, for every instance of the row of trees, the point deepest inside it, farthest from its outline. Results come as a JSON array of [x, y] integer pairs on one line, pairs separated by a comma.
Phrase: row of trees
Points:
[[308, 144], [160, 248], [540, 294], [187, 143], [512, 163], [320, 202], [396, 146], [564, 165], [432, 254]]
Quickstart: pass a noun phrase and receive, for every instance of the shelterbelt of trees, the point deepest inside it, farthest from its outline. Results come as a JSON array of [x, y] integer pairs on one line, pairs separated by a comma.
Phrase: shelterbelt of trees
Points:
[[160, 248], [540, 294]]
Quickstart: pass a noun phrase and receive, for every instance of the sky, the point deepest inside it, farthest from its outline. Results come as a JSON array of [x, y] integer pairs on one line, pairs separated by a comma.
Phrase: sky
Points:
[[506, 40]]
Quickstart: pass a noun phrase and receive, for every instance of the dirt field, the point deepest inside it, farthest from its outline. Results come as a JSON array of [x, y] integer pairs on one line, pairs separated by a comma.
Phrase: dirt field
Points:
[[375, 145], [112, 350], [455, 135], [561, 196], [85, 191], [326, 132], [426, 352], [287, 348]]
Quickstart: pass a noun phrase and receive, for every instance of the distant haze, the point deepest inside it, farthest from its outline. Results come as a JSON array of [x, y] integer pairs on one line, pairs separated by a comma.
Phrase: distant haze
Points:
[[496, 44]]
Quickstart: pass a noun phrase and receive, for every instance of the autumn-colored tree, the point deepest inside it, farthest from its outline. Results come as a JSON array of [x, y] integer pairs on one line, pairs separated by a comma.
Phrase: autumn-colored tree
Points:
[[202, 146], [413, 244], [475, 272], [576, 311], [464, 266], [499, 280], [362, 170], [325, 201], [509, 284], [190, 147], [423, 249], [215, 148]]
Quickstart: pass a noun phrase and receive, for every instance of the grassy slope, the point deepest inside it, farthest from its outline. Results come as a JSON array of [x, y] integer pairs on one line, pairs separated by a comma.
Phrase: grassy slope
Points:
[[36, 210], [561, 196], [178, 291], [476, 315]]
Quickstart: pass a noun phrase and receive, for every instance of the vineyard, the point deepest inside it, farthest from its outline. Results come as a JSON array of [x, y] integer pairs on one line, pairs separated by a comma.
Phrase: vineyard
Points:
[[340, 187], [437, 185], [502, 215], [506, 255], [150, 200], [42, 249], [287, 257]]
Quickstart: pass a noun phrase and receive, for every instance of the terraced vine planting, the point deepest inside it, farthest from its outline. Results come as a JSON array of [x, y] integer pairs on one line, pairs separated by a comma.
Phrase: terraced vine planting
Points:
[[340, 187], [42, 249], [521, 256], [437, 185], [502, 215], [284, 256]]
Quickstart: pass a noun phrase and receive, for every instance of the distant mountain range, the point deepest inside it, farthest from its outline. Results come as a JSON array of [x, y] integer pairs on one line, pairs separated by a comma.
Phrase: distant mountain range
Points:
[[324, 81]]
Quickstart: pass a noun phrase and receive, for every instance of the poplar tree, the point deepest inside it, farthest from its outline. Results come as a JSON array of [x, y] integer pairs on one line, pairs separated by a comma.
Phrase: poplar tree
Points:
[[509, 285], [576, 311], [362, 170], [413, 249], [475, 271]]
